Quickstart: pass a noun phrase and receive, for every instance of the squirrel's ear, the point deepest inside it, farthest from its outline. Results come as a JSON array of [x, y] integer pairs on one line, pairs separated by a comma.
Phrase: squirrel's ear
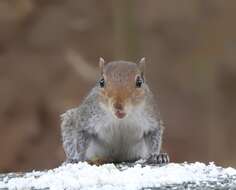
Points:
[[141, 64], [101, 64]]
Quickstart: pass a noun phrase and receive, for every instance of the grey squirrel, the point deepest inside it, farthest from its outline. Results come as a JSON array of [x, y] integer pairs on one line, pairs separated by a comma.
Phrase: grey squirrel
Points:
[[118, 120]]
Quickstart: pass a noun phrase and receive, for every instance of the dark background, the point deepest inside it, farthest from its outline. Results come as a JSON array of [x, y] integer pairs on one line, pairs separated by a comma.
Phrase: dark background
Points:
[[49, 52]]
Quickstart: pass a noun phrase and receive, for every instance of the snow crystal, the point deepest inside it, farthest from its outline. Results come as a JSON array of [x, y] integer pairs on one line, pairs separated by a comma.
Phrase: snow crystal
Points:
[[109, 176]]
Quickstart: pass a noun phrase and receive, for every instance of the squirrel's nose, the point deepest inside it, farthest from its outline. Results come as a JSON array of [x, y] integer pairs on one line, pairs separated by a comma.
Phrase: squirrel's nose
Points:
[[119, 110], [118, 106]]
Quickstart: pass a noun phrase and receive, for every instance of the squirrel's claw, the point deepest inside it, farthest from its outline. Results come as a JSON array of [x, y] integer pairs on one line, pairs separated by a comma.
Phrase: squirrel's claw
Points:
[[72, 161], [162, 158]]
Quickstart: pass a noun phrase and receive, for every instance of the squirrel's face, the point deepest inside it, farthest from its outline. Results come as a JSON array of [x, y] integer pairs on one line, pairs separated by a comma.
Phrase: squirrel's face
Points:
[[122, 87]]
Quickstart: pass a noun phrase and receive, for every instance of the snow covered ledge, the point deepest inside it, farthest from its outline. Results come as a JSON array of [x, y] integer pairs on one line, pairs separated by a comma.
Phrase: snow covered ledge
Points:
[[83, 176]]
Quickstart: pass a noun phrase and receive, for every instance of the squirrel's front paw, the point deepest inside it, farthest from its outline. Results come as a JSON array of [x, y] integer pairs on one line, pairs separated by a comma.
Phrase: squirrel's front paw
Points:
[[162, 158], [71, 161]]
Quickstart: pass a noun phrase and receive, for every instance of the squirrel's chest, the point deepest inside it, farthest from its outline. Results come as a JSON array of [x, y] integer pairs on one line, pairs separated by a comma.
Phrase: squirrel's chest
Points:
[[120, 133], [126, 131], [120, 141]]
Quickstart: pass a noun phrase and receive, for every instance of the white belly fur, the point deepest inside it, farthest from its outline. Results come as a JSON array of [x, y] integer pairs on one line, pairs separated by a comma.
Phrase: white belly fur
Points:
[[119, 140]]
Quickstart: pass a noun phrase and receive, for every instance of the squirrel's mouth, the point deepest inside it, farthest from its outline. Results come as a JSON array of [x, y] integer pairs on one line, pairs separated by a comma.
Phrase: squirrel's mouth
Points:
[[120, 114]]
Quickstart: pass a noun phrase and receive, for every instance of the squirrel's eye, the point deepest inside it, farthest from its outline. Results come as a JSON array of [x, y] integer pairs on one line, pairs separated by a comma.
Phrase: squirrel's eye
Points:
[[102, 83], [139, 82]]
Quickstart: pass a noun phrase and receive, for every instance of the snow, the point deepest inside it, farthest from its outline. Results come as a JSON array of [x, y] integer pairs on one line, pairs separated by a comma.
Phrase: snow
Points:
[[109, 176]]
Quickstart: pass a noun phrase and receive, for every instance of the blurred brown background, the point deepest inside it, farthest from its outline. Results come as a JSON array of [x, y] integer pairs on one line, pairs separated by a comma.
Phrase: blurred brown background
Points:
[[49, 52]]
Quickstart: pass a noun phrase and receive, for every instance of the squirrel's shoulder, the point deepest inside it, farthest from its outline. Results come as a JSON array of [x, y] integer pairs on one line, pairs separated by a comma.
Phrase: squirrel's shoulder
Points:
[[88, 107]]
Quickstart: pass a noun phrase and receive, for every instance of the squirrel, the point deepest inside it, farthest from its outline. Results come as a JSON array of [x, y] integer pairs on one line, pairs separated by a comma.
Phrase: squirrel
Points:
[[117, 122]]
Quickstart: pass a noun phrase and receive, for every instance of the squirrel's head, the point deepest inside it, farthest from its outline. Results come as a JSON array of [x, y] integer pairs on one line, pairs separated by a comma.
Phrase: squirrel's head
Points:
[[122, 86]]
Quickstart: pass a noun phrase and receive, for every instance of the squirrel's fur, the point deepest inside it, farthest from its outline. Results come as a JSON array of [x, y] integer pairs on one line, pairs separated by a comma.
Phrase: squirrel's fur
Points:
[[92, 132]]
